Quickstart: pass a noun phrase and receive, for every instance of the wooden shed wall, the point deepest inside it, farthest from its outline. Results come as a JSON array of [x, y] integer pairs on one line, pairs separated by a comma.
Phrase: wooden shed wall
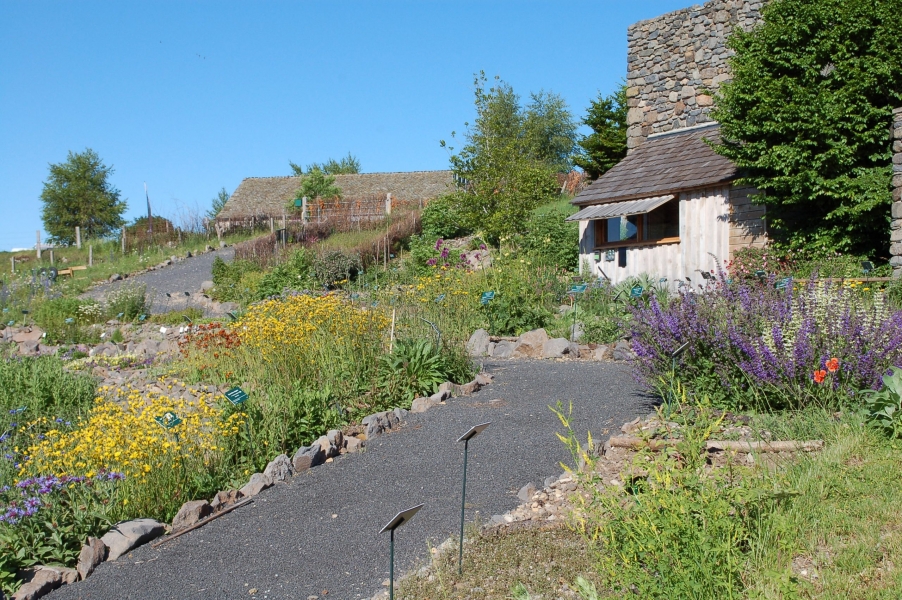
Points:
[[704, 241]]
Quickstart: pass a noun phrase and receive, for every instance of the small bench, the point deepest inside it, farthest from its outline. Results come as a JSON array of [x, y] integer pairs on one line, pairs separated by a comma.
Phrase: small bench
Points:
[[71, 270]]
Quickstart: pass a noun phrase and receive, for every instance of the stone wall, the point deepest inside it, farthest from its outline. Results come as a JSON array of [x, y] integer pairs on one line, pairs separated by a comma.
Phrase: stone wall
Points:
[[677, 62], [895, 248]]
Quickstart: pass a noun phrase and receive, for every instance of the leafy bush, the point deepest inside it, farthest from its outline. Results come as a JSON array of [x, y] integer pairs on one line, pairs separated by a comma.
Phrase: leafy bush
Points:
[[884, 407], [45, 520], [442, 218], [680, 530], [429, 252], [294, 274], [751, 345], [66, 320], [551, 240], [227, 279], [334, 266], [130, 301], [177, 317], [894, 293], [413, 369], [748, 261]]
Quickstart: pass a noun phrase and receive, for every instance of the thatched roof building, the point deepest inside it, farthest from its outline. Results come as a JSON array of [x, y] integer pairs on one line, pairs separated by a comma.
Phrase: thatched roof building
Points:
[[265, 197]]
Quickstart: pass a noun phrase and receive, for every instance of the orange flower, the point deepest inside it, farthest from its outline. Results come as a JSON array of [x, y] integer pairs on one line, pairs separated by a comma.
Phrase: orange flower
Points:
[[819, 376], [833, 365]]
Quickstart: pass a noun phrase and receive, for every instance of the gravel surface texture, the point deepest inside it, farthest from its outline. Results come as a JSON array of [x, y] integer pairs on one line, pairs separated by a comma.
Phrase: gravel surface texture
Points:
[[316, 535], [176, 279]]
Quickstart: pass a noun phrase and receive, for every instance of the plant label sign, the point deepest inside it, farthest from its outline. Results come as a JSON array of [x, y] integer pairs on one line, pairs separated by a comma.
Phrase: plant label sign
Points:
[[236, 396], [578, 288], [636, 292], [168, 420], [439, 298], [486, 297], [783, 283]]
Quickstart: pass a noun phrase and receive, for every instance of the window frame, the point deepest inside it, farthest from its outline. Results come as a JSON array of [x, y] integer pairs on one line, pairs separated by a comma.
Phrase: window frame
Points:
[[601, 233]]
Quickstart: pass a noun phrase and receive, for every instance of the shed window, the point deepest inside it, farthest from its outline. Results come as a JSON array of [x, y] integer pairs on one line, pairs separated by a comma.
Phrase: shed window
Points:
[[662, 225]]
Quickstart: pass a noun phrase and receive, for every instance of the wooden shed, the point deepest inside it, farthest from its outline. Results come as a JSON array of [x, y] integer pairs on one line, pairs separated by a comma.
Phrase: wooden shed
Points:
[[669, 209]]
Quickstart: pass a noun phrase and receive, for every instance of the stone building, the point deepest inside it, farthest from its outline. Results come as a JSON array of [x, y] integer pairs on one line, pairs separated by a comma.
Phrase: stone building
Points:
[[671, 208], [895, 248]]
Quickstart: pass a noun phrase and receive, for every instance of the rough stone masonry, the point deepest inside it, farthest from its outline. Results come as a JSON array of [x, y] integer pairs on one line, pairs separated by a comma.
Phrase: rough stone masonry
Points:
[[677, 62], [895, 248]]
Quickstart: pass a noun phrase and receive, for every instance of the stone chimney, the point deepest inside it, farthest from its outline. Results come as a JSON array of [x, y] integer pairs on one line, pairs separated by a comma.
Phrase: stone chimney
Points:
[[895, 248], [677, 62]]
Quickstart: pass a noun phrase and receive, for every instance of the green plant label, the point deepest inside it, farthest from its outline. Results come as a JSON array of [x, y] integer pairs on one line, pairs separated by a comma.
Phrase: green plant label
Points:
[[760, 274], [440, 297], [486, 297], [783, 283], [236, 396], [636, 292], [168, 420], [579, 288], [609, 255]]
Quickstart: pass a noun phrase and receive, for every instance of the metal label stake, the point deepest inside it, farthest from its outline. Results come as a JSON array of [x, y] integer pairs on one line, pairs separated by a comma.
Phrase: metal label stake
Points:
[[398, 520], [465, 438]]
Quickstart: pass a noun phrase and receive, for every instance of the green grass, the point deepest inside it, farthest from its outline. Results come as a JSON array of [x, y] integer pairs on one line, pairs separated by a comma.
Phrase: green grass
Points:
[[561, 205]]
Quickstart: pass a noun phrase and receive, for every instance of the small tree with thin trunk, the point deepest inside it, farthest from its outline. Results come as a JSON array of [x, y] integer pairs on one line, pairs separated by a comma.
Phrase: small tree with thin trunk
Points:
[[78, 193]]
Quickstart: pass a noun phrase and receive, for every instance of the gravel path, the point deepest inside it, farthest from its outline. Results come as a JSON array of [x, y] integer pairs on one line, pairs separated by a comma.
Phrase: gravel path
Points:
[[180, 277], [317, 534]]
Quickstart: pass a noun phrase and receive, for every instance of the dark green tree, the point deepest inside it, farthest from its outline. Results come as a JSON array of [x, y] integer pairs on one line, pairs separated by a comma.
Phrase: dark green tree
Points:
[[806, 119], [78, 193], [219, 203], [606, 145], [316, 185], [348, 165]]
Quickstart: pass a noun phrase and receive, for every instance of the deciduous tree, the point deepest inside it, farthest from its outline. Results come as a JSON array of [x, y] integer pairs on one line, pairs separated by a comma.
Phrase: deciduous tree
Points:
[[806, 119], [78, 193]]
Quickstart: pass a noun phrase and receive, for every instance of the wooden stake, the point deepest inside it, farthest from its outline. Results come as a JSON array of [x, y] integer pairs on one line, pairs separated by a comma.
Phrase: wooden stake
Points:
[[391, 341], [12, 264], [78, 237], [123, 240], [38, 245], [91, 256], [51, 257]]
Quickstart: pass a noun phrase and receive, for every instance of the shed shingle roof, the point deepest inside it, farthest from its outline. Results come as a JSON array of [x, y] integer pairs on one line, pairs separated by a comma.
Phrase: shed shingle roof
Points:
[[268, 196], [664, 164]]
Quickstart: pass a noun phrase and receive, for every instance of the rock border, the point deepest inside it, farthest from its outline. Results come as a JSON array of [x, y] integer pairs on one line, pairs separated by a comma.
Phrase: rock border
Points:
[[536, 344]]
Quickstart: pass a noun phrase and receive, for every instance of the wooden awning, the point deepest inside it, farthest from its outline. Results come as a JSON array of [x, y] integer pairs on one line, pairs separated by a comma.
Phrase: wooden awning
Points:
[[620, 209]]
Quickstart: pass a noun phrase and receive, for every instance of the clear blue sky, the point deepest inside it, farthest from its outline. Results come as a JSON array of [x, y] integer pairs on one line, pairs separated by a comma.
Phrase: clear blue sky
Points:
[[194, 96]]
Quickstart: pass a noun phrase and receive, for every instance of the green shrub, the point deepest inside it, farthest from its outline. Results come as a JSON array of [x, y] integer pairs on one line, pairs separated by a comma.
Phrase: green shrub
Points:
[[334, 266], [227, 279], [894, 293], [551, 240], [294, 274], [884, 407], [442, 218], [129, 301], [66, 320], [177, 317], [414, 368]]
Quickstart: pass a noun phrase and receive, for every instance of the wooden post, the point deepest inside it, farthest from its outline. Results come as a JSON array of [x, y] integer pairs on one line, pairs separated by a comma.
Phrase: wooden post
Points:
[[388, 204], [90, 256], [38, 245], [283, 221], [51, 257], [123, 240], [272, 225], [78, 237], [12, 264], [304, 216]]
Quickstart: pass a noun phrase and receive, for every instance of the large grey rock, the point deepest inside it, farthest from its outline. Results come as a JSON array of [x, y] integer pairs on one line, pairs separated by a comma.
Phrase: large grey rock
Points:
[[526, 492], [484, 378], [503, 349], [467, 388], [92, 554], [45, 580], [603, 352], [206, 285], [191, 513], [29, 348], [279, 469], [224, 498], [130, 534], [115, 277], [256, 484], [379, 423], [329, 449], [442, 394], [336, 438], [301, 461], [573, 350], [622, 351], [353, 444], [421, 405], [478, 344], [399, 414], [32, 334], [529, 345], [555, 348]]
